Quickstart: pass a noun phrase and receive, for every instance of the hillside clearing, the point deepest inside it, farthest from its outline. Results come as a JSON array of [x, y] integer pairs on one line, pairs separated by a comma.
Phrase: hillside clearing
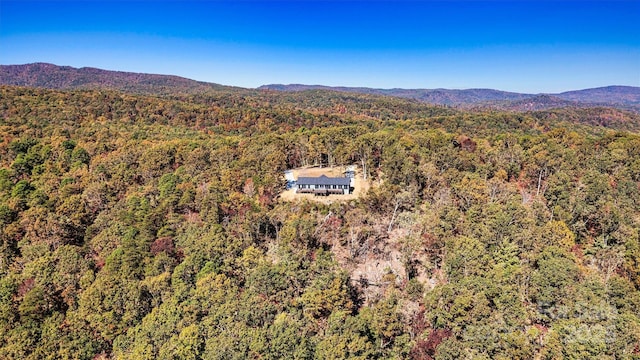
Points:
[[361, 186]]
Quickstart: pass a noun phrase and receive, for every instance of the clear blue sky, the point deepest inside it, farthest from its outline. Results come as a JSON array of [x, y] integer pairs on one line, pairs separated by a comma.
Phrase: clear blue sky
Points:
[[527, 46]]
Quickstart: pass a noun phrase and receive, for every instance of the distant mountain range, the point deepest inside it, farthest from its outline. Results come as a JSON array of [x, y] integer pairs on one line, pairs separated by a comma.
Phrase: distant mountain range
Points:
[[625, 97], [66, 77], [434, 96]]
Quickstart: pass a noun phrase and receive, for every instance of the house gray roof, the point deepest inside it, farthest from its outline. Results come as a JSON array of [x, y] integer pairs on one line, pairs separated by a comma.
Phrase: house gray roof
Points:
[[323, 180]]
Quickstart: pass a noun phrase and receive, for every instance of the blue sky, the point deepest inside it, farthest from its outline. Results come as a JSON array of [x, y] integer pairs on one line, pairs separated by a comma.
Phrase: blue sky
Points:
[[526, 46]]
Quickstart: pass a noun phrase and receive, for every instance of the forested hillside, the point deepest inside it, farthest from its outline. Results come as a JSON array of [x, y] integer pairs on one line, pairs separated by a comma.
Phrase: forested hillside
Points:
[[150, 227], [68, 78]]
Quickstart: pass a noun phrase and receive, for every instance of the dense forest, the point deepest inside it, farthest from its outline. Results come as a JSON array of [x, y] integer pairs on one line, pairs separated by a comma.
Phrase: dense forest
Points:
[[138, 226]]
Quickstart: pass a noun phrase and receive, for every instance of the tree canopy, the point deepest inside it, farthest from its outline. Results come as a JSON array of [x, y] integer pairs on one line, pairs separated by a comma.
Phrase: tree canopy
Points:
[[142, 226]]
